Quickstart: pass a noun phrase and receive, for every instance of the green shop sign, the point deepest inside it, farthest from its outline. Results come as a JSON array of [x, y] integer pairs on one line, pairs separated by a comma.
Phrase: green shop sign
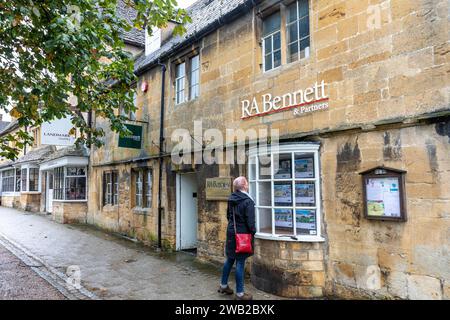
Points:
[[134, 140]]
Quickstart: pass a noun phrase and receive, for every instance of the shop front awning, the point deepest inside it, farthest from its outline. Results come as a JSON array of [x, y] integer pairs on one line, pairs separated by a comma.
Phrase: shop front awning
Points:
[[70, 156]]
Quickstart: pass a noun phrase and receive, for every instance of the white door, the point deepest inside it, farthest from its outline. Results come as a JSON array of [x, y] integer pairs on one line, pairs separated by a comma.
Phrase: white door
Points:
[[186, 211], [49, 193]]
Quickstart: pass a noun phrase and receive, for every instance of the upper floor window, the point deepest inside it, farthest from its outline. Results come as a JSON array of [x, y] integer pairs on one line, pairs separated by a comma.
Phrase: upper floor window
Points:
[[130, 115], [180, 74], [271, 42], [297, 30], [187, 79], [195, 77], [289, 46]]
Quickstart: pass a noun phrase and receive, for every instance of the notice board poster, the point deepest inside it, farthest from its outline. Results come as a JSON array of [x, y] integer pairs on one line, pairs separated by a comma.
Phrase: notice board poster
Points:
[[383, 197]]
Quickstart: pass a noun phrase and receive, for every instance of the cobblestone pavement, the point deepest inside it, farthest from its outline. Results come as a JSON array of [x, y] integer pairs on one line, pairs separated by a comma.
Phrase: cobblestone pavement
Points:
[[111, 267], [19, 282]]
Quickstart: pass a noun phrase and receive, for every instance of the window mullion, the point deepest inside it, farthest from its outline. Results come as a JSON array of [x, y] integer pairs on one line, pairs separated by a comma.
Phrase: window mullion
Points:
[[272, 193], [294, 199]]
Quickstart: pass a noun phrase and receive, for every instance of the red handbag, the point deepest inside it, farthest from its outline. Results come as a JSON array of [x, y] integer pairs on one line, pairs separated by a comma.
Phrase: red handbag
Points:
[[243, 240]]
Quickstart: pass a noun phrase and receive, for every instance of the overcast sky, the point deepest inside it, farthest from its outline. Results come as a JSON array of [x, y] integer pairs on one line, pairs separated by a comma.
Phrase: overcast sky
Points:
[[185, 3], [181, 3]]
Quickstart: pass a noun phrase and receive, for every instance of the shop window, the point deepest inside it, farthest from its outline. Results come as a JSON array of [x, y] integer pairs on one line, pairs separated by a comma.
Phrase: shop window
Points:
[[33, 179], [23, 179], [75, 183], [271, 39], [8, 181], [69, 183], [110, 188], [195, 77], [58, 185], [18, 179], [143, 188], [285, 186], [297, 30]]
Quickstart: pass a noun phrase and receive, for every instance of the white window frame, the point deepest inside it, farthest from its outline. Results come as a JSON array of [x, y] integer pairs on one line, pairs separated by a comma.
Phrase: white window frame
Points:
[[13, 177], [298, 40], [197, 84], [180, 79], [27, 179], [65, 176], [139, 180], [148, 188], [312, 148], [272, 53]]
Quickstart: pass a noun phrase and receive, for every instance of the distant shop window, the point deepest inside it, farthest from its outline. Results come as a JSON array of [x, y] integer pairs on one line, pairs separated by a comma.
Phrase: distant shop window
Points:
[[33, 179], [8, 183], [58, 185], [29, 179], [75, 183], [271, 38], [180, 74], [143, 187], [23, 179], [195, 77], [69, 183], [18, 179], [110, 188], [297, 30], [285, 186]]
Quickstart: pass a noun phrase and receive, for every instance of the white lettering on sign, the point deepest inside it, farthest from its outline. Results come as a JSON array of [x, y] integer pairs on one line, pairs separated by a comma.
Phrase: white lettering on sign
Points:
[[303, 100]]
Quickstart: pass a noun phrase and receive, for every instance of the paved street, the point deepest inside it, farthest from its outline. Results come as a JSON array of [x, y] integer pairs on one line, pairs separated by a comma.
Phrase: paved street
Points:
[[111, 267], [19, 281]]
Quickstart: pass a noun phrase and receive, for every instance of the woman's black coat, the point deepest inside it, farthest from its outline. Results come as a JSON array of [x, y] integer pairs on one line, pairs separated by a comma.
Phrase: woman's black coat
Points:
[[245, 222]]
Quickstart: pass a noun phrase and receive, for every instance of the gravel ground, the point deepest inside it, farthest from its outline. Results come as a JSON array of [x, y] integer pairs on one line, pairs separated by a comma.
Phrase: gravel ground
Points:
[[19, 282]]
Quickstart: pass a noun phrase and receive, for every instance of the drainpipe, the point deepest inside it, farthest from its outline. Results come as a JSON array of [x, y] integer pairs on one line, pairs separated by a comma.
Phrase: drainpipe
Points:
[[161, 146]]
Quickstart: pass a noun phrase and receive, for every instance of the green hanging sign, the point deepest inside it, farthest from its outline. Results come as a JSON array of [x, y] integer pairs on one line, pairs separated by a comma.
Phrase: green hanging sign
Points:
[[134, 140]]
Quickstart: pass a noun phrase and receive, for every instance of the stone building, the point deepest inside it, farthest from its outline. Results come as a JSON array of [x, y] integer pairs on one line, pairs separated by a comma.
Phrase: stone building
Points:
[[358, 91]]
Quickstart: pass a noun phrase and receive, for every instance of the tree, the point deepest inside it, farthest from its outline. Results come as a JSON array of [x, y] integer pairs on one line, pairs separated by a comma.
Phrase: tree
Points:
[[64, 58]]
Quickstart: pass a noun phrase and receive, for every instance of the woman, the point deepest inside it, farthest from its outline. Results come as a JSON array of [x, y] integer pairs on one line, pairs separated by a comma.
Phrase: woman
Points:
[[243, 206]]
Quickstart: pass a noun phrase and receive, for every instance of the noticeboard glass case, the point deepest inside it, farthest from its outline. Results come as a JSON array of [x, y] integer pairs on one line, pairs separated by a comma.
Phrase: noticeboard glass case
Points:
[[384, 194]]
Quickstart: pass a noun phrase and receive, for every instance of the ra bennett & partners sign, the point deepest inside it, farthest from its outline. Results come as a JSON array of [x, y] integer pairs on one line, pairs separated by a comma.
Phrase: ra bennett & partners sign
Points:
[[302, 101]]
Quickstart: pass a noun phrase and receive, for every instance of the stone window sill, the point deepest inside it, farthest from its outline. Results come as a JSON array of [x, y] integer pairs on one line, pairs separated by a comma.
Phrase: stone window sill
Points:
[[142, 211], [266, 236]]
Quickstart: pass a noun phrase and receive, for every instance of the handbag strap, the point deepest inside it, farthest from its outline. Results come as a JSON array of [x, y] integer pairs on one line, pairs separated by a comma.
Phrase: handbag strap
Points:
[[234, 220]]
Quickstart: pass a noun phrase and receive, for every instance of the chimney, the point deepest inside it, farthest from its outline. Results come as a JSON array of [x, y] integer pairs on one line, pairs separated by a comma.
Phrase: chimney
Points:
[[1, 117]]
